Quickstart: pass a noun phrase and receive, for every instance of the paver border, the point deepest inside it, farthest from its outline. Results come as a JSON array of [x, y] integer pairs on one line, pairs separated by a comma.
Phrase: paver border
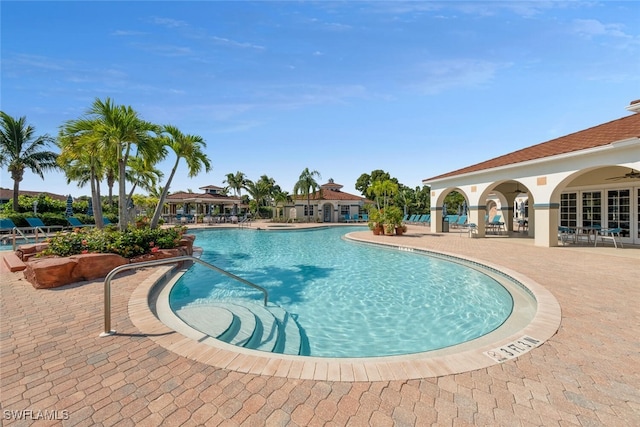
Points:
[[146, 308]]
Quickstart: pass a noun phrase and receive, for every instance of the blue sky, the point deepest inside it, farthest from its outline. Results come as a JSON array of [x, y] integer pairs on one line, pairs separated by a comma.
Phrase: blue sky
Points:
[[414, 88]]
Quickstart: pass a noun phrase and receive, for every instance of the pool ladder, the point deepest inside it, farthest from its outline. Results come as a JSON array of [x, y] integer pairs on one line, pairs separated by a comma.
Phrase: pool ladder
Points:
[[107, 282]]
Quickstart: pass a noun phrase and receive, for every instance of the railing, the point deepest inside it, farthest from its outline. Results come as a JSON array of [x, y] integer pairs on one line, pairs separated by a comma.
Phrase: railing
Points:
[[112, 273], [16, 233]]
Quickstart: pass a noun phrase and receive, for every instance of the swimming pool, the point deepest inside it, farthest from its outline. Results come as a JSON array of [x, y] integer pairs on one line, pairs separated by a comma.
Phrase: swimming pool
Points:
[[348, 299]]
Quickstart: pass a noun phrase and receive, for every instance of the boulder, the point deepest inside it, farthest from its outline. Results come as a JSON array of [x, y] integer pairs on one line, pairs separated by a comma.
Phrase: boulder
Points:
[[54, 272], [93, 266]]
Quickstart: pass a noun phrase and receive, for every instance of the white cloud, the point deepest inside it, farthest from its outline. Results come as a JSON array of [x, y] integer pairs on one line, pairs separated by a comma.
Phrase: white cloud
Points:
[[592, 27], [437, 76]]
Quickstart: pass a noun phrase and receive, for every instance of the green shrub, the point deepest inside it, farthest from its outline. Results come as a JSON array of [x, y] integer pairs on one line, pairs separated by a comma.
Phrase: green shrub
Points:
[[130, 243]]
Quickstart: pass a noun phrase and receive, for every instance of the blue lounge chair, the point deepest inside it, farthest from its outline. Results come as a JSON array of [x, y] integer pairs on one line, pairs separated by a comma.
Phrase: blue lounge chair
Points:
[[460, 222], [10, 231], [37, 223], [422, 219], [413, 218], [495, 225], [75, 222]]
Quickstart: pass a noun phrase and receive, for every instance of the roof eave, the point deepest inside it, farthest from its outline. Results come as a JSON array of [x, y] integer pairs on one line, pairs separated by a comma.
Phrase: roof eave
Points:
[[616, 144]]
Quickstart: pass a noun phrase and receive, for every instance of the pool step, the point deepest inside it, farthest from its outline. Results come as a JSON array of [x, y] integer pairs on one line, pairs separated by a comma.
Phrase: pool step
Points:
[[248, 324]]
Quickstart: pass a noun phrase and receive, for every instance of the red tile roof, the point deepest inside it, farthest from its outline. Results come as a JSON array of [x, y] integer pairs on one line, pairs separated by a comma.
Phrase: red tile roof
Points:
[[325, 194], [604, 134], [7, 194]]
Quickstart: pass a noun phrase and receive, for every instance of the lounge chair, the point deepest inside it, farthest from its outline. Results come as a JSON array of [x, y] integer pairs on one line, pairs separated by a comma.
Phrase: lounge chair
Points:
[[609, 234], [424, 219], [405, 218], [37, 223], [413, 218], [10, 231], [495, 225], [460, 222], [365, 217], [75, 222]]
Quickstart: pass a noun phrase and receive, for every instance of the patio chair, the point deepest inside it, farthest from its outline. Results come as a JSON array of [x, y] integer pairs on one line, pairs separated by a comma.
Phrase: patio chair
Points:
[[75, 222], [9, 231], [495, 225], [610, 234], [462, 220], [37, 223], [565, 234]]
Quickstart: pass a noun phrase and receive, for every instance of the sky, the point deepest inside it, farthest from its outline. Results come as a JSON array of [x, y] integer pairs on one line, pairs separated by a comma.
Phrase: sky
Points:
[[416, 89]]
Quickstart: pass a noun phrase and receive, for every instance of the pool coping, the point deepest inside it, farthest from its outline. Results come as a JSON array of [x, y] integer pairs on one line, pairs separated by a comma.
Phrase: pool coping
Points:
[[146, 305]]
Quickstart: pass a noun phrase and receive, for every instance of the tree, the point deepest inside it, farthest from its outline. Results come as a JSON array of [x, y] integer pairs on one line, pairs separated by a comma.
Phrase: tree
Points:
[[80, 158], [236, 182], [20, 149], [305, 186], [281, 198], [118, 130], [187, 147], [260, 190], [364, 181], [383, 191]]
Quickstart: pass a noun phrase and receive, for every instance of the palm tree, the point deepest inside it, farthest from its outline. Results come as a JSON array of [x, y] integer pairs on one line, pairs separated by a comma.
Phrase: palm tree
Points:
[[280, 198], [118, 130], [187, 147], [305, 186], [260, 190], [20, 149], [80, 158], [236, 182]]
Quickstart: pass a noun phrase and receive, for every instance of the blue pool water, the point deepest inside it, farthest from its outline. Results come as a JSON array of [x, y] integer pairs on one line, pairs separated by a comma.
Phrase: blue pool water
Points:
[[352, 300]]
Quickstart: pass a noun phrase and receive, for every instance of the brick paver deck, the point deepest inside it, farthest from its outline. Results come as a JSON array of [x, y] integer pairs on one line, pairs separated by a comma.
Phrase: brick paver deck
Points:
[[53, 364]]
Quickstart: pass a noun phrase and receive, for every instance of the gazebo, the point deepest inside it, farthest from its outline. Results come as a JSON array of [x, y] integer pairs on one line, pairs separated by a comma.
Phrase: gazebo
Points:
[[211, 202]]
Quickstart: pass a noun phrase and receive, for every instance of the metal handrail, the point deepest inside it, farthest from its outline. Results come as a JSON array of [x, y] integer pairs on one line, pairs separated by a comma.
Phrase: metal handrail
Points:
[[112, 273]]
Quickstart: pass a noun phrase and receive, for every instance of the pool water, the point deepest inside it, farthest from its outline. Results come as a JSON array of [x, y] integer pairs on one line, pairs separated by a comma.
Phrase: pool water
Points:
[[351, 299]]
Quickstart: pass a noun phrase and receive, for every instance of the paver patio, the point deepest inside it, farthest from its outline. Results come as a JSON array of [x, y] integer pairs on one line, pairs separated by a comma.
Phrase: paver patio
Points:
[[54, 364]]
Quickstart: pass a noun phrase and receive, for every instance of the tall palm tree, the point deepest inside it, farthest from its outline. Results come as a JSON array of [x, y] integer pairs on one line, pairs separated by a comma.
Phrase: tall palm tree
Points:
[[305, 186], [259, 190], [20, 149], [80, 158], [187, 147], [236, 182], [118, 130]]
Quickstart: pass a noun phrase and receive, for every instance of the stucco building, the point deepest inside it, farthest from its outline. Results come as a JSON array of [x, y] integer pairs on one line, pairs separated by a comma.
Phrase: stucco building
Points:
[[587, 178]]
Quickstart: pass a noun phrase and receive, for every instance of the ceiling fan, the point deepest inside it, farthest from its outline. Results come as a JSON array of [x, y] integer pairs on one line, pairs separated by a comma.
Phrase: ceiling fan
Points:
[[633, 174], [517, 190]]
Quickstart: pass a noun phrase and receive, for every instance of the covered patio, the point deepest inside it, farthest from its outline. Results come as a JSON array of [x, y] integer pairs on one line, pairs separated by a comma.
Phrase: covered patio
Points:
[[197, 206], [588, 181]]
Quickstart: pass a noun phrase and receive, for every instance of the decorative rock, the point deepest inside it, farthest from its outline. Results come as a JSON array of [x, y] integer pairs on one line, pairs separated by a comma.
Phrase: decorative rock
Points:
[[93, 266], [54, 272]]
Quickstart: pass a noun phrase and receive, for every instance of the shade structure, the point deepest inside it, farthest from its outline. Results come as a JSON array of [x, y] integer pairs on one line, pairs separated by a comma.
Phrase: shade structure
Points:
[[69, 210]]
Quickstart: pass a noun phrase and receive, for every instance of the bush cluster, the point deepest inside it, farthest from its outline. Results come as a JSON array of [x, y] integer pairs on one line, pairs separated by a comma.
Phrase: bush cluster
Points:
[[130, 243]]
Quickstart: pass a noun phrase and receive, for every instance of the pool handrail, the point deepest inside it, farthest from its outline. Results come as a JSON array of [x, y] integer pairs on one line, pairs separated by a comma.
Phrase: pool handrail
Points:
[[174, 260]]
